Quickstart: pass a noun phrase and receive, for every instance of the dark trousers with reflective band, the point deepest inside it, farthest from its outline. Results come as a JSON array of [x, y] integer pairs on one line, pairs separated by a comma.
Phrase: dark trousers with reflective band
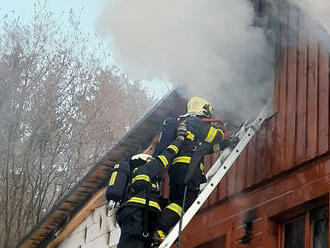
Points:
[[130, 220], [171, 214]]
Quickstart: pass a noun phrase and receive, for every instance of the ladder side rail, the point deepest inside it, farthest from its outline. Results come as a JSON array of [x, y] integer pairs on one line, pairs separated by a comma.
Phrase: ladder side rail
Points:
[[212, 184]]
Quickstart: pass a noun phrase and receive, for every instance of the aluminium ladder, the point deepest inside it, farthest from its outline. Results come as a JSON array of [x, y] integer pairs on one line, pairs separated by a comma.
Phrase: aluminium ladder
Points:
[[214, 181]]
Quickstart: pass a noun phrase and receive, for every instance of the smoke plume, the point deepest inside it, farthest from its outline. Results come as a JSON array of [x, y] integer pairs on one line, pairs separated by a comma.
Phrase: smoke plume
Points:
[[318, 14], [210, 47]]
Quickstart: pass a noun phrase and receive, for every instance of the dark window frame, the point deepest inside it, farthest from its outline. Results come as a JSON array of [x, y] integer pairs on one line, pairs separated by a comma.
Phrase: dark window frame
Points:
[[293, 221], [321, 214], [275, 223], [309, 218]]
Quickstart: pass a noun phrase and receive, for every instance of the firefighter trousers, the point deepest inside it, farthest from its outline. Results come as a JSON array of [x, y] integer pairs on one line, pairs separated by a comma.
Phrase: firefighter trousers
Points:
[[131, 220], [171, 214]]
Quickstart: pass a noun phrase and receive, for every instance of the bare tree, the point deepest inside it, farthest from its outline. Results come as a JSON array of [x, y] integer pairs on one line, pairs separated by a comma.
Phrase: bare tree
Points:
[[60, 110]]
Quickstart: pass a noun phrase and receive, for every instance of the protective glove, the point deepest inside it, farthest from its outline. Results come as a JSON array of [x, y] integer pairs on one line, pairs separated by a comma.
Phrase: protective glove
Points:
[[231, 142]]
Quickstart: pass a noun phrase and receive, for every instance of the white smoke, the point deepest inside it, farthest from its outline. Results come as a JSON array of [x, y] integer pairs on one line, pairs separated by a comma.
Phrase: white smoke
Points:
[[211, 47], [318, 10], [318, 14]]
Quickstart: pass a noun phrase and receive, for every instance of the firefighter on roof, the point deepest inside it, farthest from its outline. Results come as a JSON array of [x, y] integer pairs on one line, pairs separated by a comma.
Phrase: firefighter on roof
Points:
[[136, 186], [198, 133]]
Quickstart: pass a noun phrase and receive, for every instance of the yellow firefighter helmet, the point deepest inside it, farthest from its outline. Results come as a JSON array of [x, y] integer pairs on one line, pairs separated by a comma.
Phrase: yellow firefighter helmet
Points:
[[199, 106]]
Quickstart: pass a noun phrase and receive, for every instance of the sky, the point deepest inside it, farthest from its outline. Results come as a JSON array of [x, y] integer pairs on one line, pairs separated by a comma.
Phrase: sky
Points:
[[89, 10]]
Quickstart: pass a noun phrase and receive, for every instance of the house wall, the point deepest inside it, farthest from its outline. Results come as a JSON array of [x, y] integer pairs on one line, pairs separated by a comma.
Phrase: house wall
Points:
[[287, 163], [299, 130], [285, 166], [99, 230], [263, 205]]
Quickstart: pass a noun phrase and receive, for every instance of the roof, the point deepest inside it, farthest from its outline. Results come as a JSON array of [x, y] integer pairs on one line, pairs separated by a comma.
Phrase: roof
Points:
[[133, 142]]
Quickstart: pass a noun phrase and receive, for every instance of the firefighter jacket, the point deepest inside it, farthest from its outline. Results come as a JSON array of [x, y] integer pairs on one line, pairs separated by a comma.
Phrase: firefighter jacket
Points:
[[198, 133], [178, 170], [144, 184], [201, 132]]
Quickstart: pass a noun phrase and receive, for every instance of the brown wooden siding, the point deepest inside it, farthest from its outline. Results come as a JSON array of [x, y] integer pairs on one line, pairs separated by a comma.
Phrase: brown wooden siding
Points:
[[287, 164], [309, 184], [299, 130]]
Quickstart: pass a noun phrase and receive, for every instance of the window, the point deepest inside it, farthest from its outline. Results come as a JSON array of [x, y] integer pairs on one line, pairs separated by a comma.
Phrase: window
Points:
[[294, 233], [320, 225], [311, 229]]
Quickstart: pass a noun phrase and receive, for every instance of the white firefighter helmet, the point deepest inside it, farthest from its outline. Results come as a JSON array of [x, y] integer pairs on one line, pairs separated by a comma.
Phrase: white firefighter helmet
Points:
[[139, 159], [199, 106], [142, 156]]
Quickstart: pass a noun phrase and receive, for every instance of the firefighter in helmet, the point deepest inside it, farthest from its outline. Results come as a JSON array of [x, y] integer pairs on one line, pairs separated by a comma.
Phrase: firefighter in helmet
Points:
[[197, 132], [140, 193]]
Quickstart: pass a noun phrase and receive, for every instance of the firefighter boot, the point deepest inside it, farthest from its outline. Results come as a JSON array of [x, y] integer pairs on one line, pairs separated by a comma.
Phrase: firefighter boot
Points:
[[157, 238]]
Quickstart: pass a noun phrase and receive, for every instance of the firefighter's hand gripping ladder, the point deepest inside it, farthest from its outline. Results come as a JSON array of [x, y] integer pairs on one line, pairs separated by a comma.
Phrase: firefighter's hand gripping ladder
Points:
[[212, 184]]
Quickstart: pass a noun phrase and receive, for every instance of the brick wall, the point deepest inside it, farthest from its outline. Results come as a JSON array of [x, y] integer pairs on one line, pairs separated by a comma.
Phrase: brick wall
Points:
[[98, 230]]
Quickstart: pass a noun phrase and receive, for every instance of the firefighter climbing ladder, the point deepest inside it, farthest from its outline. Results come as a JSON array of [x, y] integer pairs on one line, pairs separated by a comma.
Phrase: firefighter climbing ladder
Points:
[[212, 184]]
